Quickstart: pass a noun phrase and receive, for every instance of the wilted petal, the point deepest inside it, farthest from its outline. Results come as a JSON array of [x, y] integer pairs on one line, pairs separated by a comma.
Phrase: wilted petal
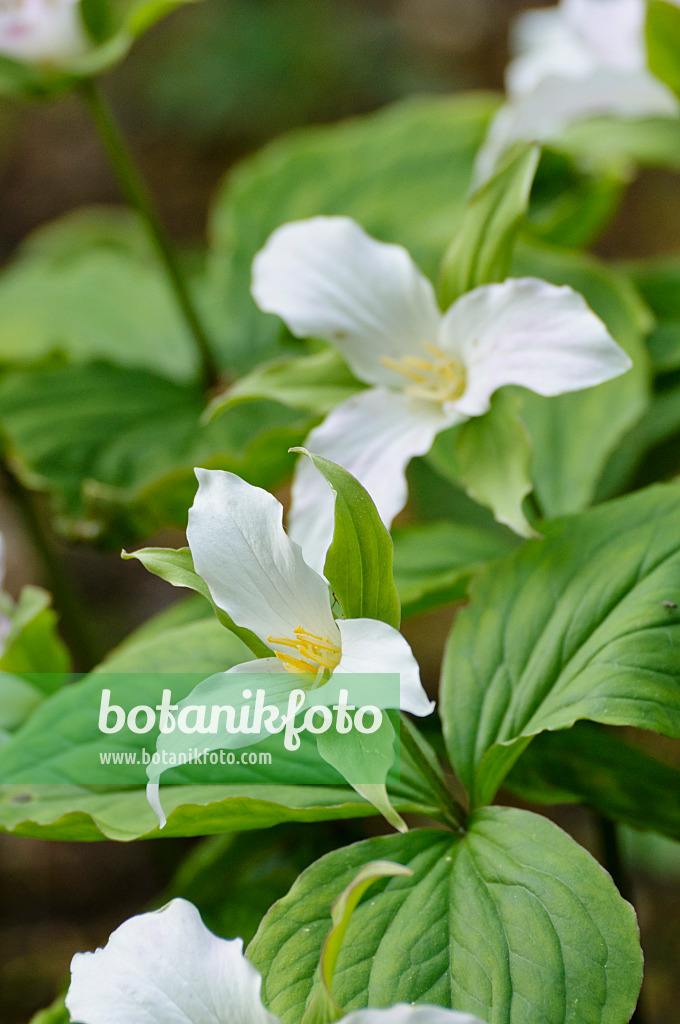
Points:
[[166, 967], [326, 278], [407, 1013], [530, 333], [255, 572], [374, 435], [372, 646]]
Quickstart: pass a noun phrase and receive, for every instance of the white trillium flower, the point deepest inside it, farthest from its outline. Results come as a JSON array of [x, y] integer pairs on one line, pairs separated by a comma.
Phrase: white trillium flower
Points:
[[166, 967], [581, 59], [428, 370], [258, 576], [41, 31]]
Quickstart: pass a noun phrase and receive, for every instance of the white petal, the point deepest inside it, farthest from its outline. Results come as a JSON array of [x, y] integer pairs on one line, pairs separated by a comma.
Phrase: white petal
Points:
[[39, 31], [614, 31], [326, 278], [372, 646], [407, 1013], [166, 967], [530, 333], [255, 572], [374, 435]]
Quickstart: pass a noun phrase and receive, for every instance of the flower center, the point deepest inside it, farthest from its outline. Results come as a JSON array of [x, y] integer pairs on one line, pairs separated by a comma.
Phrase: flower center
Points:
[[438, 379], [317, 654]]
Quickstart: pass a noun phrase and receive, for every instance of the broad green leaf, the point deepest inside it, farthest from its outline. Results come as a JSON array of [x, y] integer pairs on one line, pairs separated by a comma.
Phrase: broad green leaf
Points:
[[593, 765], [490, 456], [404, 174], [658, 281], [234, 879], [359, 560], [574, 435], [315, 383], [33, 644], [614, 147], [511, 921], [61, 740], [87, 287], [323, 1007], [481, 251], [434, 562], [176, 566], [663, 42], [360, 758], [116, 448], [582, 624]]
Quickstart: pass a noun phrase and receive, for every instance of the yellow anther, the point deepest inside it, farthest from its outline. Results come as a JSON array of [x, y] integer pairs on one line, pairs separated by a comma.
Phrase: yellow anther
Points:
[[317, 653], [439, 379]]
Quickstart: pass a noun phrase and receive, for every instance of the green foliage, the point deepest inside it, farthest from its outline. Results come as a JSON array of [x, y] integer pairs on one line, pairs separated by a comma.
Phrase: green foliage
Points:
[[434, 562], [573, 436], [594, 765], [315, 383], [493, 457], [403, 174], [89, 287], [67, 807], [359, 560], [511, 921], [116, 448], [663, 42], [176, 566], [234, 879], [481, 251], [573, 626]]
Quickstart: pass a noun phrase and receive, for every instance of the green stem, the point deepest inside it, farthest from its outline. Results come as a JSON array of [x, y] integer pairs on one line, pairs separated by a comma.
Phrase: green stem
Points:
[[75, 622], [410, 741], [136, 194]]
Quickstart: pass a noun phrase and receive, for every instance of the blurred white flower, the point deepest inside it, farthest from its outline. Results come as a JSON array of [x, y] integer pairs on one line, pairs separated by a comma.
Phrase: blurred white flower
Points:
[[581, 59], [41, 31], [166, 967], [326, 278]]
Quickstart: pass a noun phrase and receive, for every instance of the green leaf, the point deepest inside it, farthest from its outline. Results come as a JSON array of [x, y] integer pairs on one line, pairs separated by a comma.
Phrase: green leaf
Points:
[[54, 1014], [593, 765], [490, 456], [573, 436], [613, 147], [512, 922], [663, 42], [403, 174], [360, 758], [582, 624], [481, 251], [359, 560], [32, 644], [89, 286], [176, 566], [116, 448], [61, 739], [314, 383], [434, 562], [234, 879], [658, 281], [341, 914]]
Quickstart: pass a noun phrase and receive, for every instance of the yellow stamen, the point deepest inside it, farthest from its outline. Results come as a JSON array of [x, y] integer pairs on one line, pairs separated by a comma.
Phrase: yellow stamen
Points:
[[440, 379], [317, 654]]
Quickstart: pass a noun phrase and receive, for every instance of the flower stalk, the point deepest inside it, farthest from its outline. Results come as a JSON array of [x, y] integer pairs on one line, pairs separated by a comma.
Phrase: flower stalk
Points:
[[136, 194]]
